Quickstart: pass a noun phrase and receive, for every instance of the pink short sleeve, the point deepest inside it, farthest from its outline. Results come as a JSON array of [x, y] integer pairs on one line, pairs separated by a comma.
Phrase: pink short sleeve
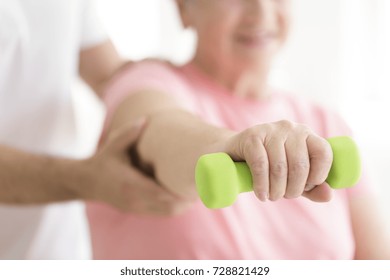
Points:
[[146, 75]]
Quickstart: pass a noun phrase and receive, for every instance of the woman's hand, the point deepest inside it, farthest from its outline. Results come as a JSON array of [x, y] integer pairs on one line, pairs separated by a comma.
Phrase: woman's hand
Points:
[[287, 160]]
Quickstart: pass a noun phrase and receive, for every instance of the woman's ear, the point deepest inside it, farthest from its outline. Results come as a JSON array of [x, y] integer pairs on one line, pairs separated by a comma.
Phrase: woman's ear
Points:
[[182, 7]]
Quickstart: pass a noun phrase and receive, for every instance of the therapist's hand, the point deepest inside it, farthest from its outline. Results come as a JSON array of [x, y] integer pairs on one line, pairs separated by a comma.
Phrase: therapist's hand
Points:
[[116, 181]]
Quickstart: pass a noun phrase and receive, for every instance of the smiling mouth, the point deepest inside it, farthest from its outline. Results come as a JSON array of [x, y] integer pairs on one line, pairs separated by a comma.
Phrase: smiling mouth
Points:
[[256, 40]]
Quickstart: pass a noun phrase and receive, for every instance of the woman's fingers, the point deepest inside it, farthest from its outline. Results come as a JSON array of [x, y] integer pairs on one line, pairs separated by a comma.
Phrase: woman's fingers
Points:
[[321, 193], [257, 160], [278, 169], [286, 160], [298, 166], [321, 157]]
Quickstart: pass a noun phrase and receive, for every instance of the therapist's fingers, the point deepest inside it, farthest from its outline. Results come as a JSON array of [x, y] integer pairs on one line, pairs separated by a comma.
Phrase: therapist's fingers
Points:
[[122, 138], [145, 196], [121, 182]]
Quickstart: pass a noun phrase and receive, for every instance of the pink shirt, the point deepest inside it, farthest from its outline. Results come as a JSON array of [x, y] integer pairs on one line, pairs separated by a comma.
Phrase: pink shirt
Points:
[[250, 229]]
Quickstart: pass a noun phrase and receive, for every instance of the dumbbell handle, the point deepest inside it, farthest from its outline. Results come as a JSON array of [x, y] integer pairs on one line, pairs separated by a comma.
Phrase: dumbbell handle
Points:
[[244, 177], [218, 176]]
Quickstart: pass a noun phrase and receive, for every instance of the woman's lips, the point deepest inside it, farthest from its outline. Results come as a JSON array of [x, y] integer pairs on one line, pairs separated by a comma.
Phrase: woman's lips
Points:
[[256, 40]]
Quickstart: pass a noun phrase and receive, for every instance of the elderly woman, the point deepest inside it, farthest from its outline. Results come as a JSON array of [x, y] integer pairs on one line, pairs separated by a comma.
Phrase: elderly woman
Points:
[[221, 101]]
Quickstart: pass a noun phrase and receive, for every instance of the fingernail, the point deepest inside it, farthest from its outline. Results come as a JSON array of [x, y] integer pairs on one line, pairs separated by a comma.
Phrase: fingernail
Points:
[[263, 196], [309, 187]]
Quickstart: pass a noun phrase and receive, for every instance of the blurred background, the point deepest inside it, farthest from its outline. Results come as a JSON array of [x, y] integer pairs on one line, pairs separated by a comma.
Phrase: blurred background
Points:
[[338, 54]]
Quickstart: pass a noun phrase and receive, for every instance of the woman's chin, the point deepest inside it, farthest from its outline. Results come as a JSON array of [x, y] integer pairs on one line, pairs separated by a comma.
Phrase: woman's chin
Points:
[[252, 63]]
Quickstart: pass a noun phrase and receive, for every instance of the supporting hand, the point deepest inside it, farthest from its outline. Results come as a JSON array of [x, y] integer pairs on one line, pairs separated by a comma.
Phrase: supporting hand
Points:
[[117, 182]]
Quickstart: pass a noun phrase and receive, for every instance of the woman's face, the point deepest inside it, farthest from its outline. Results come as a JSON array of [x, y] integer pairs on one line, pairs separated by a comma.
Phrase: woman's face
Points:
[[243, 33]]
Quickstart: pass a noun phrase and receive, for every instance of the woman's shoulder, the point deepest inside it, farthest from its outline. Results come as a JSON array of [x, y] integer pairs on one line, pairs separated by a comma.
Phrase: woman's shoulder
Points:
[[324, 118], [149, 73], [154, 67]]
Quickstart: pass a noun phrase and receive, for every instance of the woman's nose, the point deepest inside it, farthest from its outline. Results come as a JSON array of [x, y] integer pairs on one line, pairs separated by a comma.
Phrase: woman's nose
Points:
[[260, 12]]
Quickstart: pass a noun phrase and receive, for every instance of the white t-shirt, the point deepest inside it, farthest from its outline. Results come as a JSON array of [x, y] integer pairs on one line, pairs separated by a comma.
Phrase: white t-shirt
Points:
[[40, 41]]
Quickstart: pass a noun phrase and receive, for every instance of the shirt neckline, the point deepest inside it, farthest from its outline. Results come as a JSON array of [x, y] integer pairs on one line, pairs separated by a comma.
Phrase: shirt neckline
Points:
[[190, 69]]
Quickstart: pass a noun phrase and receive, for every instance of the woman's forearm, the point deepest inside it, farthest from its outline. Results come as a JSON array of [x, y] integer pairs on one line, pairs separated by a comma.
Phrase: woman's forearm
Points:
[[286, 159], [172, 140]]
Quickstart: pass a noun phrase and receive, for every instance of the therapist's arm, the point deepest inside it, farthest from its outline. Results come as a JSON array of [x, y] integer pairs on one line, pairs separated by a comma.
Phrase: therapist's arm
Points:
[[98, 64], [28, 179]]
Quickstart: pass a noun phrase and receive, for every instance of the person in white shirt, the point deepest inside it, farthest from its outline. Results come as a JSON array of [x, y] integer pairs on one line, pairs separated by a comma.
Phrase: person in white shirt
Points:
[[44, 45]]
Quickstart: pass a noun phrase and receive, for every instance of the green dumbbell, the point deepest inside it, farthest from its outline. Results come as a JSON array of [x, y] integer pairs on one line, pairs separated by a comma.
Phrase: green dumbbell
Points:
[[219, 179]]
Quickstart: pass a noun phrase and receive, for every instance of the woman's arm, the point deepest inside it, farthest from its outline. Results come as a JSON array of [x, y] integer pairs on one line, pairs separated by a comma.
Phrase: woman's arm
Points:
[[172, 140], [371, 231], [284, 158]]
